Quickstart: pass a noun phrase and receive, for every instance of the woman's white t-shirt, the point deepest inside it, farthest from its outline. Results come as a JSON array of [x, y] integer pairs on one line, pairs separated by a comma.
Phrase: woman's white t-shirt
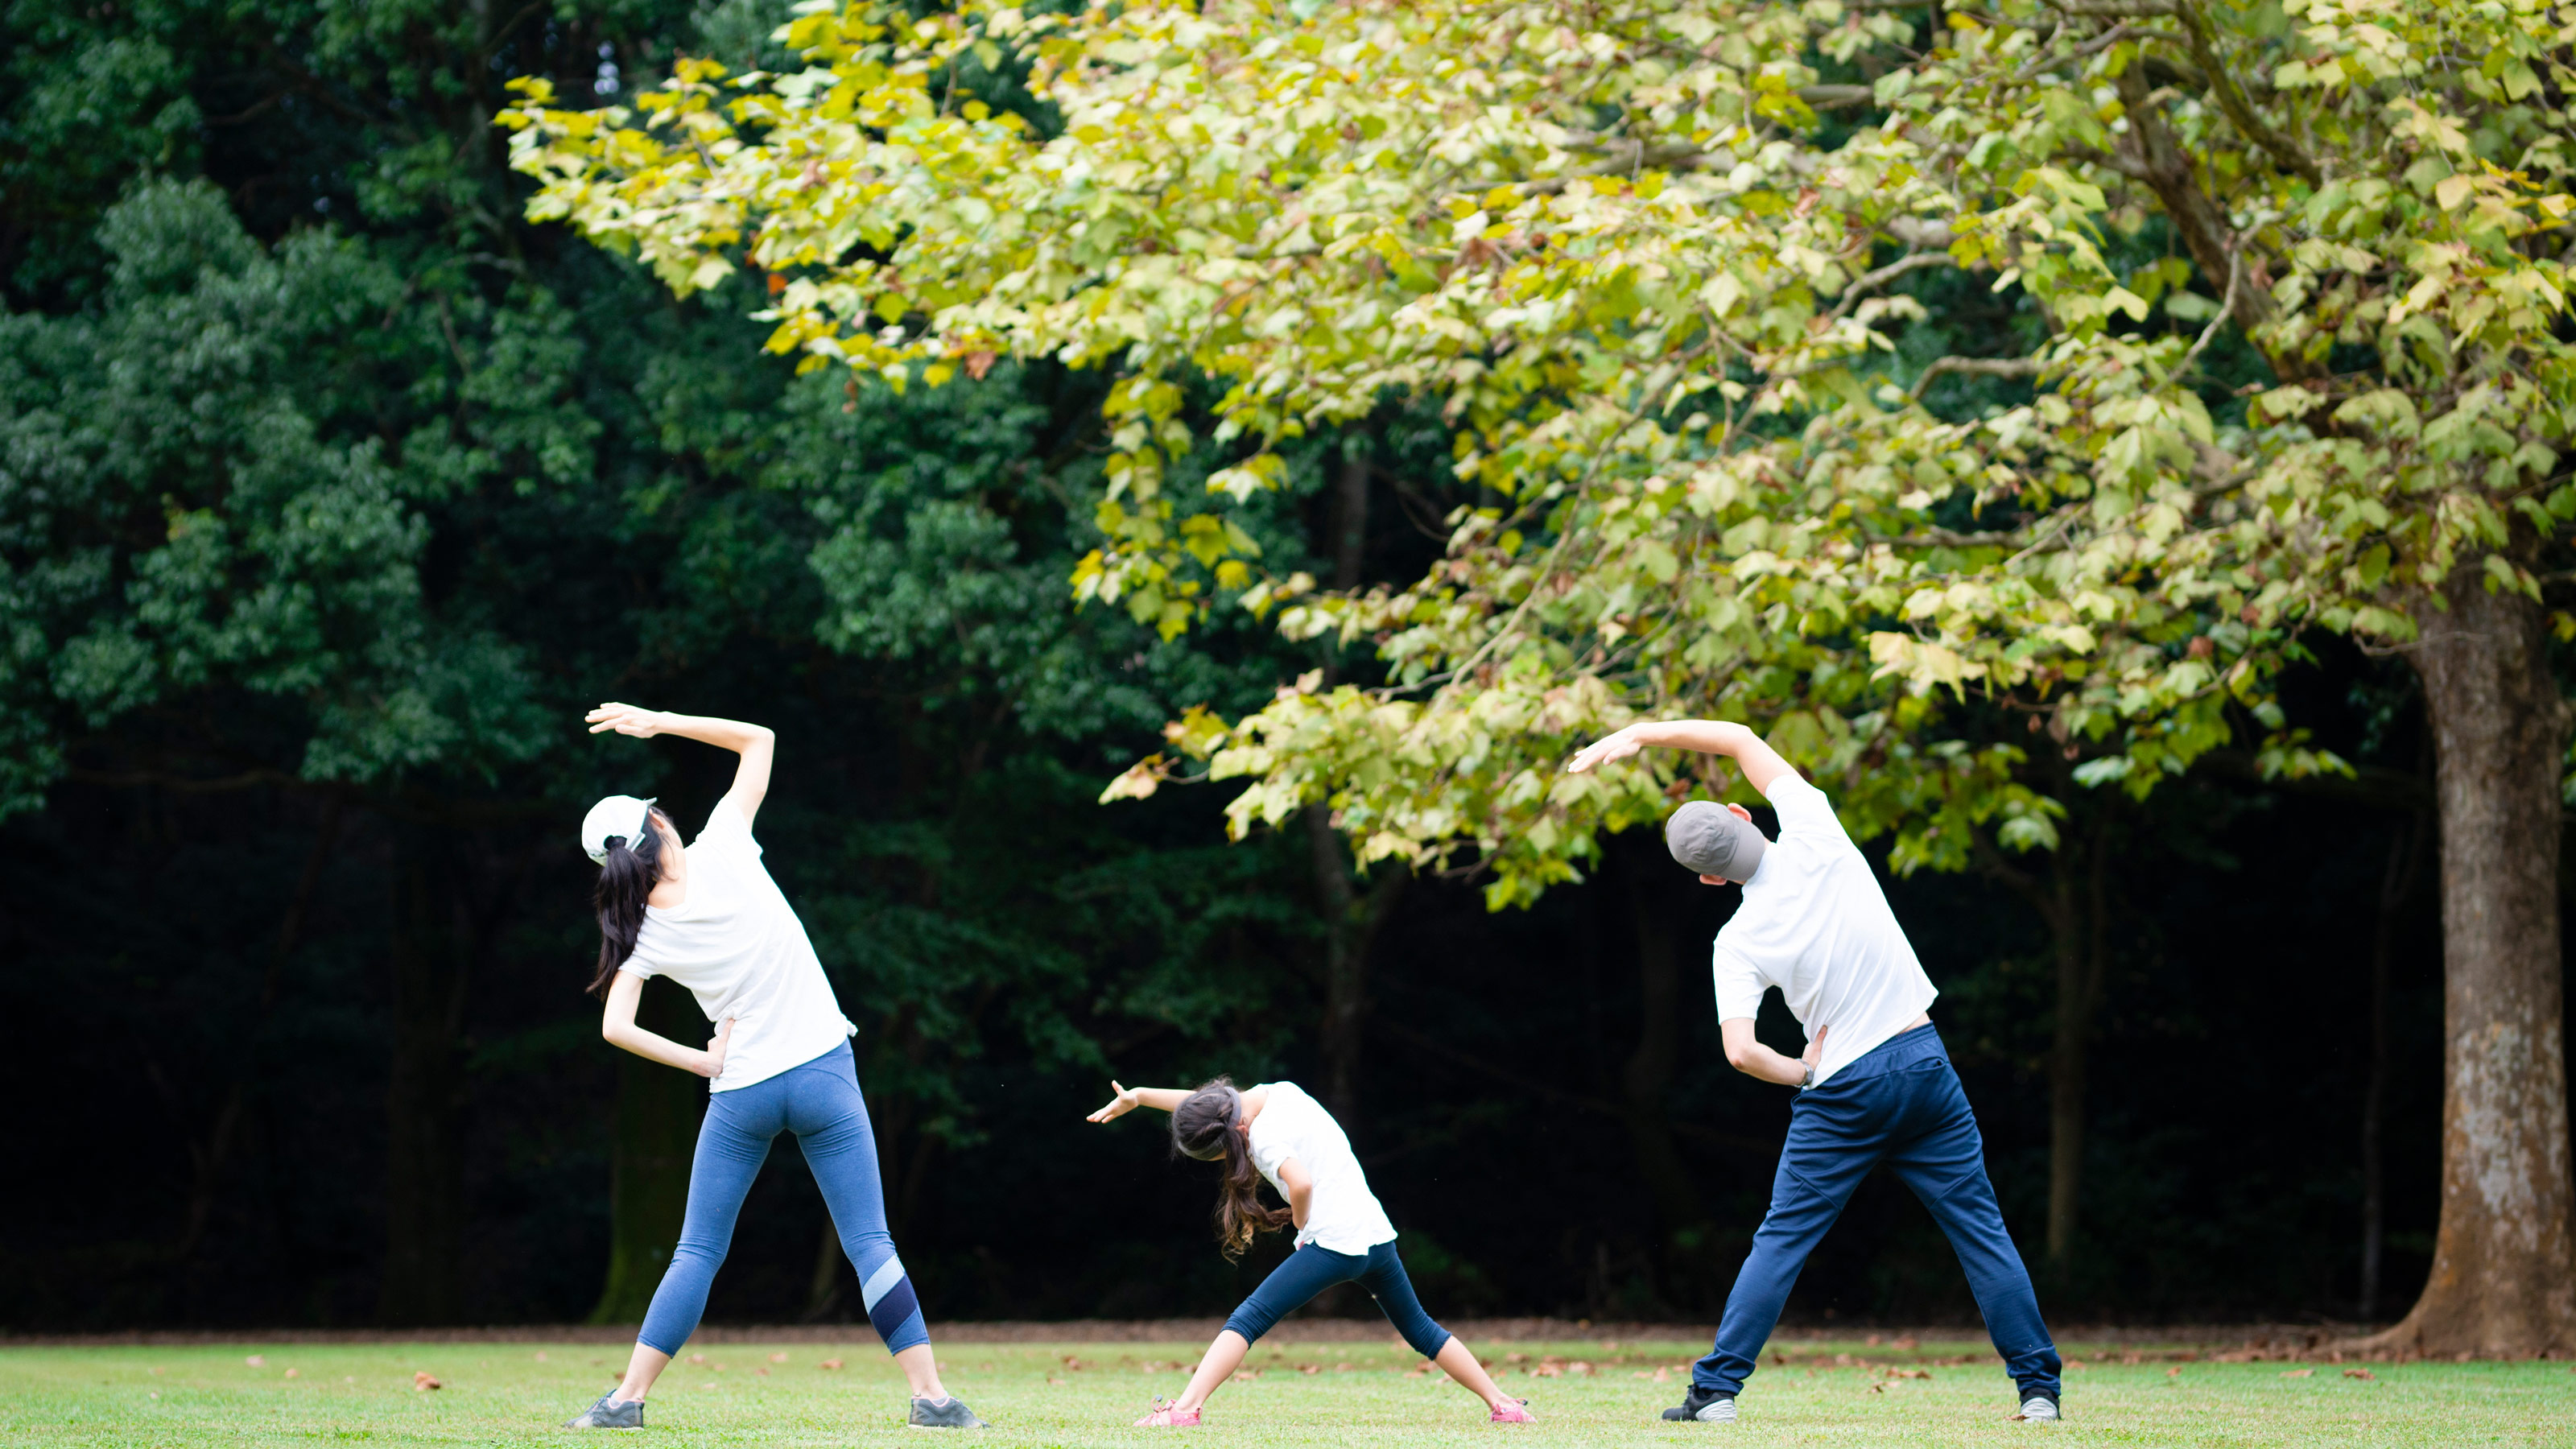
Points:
[[738, 947], [1343, 1216], [1815, 924]]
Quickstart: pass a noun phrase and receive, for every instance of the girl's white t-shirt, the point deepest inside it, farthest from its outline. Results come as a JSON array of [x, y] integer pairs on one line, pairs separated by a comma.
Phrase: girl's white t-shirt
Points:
[[1343, 1216], [738, 947], [1815, 924]]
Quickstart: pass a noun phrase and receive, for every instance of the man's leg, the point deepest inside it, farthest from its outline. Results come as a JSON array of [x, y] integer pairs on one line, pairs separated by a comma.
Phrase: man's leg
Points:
[[1834, 1140], [1946, 1167]]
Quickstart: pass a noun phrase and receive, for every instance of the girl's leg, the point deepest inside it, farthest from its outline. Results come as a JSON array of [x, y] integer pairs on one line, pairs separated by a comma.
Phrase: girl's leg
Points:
[[1291, 1286], [1386, 1279], [1215, 1366], [733, 1140], [830, 1119]]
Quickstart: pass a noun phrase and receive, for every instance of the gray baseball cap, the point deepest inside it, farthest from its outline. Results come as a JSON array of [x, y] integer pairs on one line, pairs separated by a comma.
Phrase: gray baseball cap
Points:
[[1709, 839]]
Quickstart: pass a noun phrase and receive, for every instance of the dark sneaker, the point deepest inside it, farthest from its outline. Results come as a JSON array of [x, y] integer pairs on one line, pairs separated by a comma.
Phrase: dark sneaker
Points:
[[610, 1413], [947, 1413], [2039, 1409], [1706, 1405]]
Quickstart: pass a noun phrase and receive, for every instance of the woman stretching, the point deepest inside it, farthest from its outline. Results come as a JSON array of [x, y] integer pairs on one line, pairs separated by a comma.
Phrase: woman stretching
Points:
[[1342, 1234], [709, 917]]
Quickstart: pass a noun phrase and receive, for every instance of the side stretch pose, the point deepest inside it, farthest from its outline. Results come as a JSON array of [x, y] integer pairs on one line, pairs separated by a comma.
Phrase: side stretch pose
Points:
[[1343, 1236], [1814, 924], [709, 917]]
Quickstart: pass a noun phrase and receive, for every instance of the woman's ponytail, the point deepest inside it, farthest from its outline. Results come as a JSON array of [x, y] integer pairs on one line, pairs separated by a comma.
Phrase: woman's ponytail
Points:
[[1205, 1127], [626, 881]]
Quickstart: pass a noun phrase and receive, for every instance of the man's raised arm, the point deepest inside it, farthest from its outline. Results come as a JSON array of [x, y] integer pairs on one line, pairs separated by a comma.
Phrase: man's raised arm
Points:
[[1760, 763]]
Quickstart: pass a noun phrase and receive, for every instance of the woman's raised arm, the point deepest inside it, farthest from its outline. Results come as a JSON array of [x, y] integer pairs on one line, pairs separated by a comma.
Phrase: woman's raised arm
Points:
[[755, 743]]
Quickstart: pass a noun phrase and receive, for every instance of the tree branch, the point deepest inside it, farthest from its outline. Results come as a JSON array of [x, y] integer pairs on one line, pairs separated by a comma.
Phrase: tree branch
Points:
[[1869, 282], [1976, 367], [2232, 101]]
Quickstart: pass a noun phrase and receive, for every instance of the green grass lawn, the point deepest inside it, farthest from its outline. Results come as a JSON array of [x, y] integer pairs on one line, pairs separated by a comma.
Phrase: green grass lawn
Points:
[[1082, 1394]]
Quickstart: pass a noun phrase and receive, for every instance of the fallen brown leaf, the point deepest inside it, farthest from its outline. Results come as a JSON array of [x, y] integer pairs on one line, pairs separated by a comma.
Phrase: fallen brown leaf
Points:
[[254, 1360], [773, 1358], [830, 1363], [2359, 1373], [422, 1381]]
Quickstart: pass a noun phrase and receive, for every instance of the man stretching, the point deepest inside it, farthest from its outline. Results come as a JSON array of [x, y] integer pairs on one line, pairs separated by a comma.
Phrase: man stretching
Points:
[[1814, 924]]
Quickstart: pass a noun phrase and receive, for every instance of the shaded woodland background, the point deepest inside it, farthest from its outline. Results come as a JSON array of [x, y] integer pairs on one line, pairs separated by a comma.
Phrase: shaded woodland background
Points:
[[331, 494]]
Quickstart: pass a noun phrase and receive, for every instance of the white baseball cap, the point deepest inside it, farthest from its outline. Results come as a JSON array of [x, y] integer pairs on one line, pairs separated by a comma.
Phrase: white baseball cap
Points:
[[616, 815]]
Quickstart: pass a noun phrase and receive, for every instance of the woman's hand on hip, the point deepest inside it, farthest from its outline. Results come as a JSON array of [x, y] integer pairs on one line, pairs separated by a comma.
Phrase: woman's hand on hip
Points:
[[714, 1064], [1119, 1106], [626, 719], [1815, 1052]]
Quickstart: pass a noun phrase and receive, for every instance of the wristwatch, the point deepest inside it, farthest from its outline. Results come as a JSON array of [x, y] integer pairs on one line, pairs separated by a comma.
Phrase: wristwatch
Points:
[[1809, 1079]]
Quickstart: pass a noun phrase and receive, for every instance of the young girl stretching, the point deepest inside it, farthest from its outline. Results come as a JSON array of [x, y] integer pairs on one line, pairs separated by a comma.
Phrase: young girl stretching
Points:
[[1342, 1234]]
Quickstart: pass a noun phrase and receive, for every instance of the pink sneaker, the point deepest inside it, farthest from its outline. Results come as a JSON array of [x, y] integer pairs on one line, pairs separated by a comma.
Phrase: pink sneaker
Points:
[[1514, 1411], [1167, 1416]]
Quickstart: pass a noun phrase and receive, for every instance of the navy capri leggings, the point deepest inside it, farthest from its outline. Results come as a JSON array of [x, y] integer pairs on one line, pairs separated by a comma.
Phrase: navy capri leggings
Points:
[[820, 1103], [1311, 1269]]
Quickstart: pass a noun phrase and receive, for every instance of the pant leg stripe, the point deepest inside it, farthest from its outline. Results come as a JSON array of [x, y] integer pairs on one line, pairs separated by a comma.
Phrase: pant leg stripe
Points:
[[893, 1309], [888, 1273]]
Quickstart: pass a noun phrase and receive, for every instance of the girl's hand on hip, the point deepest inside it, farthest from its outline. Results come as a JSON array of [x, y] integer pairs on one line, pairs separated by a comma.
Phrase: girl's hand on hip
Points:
[[714, 1066], [626, 719], [1815, 1051], [1119, 1106]]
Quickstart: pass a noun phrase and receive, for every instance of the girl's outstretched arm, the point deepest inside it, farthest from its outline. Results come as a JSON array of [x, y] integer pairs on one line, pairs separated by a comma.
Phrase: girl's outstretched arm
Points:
[[755, 743], [617, 1025], [1161, 1099]]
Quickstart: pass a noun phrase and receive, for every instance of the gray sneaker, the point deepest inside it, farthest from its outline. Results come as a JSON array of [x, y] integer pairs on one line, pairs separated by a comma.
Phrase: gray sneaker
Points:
[[1703, 1406], [947, 1413], [2039, 1409], [610, 1413]]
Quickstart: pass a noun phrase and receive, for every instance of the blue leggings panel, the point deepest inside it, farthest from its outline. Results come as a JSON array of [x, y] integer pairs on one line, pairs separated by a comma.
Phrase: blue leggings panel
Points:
[[821, 1104], [1310, 1270], [1901, 1104]]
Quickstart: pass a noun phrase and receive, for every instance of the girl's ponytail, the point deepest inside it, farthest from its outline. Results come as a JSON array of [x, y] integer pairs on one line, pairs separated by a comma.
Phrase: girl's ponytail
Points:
[[626, 880], [1204, 1126]]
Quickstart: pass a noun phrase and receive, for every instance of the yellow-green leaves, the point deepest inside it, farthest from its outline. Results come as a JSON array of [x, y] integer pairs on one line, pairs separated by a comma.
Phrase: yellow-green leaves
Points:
[[1660, 308]]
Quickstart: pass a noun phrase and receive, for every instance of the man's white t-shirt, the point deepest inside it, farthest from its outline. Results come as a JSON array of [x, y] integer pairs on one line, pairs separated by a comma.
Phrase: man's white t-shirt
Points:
[[1343, 1216], [738, 947], [1815, 924]]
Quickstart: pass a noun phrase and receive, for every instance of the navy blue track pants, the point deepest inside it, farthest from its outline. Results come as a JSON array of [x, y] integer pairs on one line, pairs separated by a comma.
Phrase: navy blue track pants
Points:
[[1311, 1269], [1900, 1104]]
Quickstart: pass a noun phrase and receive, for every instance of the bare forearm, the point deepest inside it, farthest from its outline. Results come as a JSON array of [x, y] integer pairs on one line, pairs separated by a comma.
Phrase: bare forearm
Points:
[[728, 734], [1760, 1061], [1161, 1099], [654, 1047], [1708, 736]]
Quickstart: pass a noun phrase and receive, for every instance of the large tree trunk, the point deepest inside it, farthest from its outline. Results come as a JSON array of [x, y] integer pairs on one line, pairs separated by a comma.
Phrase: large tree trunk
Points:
[[2504, 1276], [424, 1168], [2078, 925], [2397, 883], [1646, 1080], [1351, 919], [648, 1182]]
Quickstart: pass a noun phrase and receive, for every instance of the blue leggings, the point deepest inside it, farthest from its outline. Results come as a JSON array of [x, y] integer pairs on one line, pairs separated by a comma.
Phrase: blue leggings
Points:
[[1310, 1270], [1900, 1104], [820, 1103]]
